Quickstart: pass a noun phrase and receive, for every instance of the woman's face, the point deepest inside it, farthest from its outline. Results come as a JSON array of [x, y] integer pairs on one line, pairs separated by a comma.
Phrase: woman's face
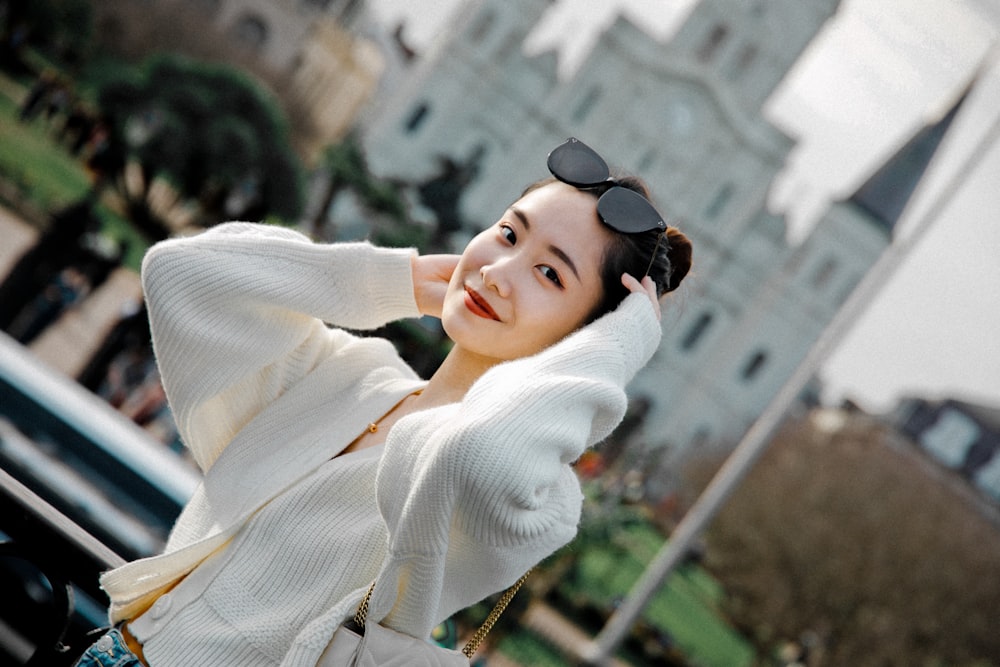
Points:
[[530, 279]]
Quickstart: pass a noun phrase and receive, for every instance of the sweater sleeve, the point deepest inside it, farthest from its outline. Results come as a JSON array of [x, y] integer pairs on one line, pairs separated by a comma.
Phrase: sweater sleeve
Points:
[[491, 483], [237, 315]]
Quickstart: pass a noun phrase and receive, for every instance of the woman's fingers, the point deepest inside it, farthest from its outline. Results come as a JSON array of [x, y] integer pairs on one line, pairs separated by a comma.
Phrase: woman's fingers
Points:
[[645, 286], [431, 274]]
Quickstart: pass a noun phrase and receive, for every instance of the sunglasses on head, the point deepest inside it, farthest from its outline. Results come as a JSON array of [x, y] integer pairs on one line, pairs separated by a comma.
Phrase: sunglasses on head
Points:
[[624, 210]]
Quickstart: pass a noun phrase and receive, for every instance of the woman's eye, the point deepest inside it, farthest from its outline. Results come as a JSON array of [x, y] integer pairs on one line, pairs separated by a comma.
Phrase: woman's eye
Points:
[[550, 274], [508, 234]]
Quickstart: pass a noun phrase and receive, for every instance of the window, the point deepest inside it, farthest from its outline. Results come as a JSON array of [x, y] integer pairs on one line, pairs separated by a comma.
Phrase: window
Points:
[[350, 11], [417, 118], [746, 59], [824, 273], [719, 202], [696, 332], [702, 436], [208, 6], [647, 160], [481, 27], [753, 366], [950, 437], [586, 105], [251, 32], [710, 46]]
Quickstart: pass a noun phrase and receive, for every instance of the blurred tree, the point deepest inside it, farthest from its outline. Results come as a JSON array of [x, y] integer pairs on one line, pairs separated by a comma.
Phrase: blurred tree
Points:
[[133, 31], [847, 542], [197, 132], [345, 168], [443, 191]]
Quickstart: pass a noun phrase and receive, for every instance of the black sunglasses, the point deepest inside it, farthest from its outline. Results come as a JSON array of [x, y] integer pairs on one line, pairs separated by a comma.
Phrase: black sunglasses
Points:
[[624, 210]]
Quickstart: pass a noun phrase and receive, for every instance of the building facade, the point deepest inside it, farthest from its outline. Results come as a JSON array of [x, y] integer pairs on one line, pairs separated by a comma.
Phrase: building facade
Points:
[[959, 435], [686, 114], [276, 30]]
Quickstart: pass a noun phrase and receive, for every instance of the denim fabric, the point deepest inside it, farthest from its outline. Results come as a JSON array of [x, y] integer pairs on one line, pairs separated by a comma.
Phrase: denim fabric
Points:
[[109, 651]]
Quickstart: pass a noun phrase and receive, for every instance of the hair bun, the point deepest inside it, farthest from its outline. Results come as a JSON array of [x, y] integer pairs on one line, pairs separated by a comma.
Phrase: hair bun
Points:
[[679, 252]]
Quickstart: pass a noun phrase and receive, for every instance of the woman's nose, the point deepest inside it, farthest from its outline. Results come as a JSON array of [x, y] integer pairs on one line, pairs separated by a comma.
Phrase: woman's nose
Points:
[[494, 277]]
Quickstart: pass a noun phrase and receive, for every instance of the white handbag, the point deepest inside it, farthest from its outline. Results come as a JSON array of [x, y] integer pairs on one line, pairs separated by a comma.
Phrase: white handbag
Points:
[[358, 643]]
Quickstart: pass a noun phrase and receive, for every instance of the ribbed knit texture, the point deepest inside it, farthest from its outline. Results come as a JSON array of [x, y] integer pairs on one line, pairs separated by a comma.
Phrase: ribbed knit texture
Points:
[[461, 501], [251, 608]]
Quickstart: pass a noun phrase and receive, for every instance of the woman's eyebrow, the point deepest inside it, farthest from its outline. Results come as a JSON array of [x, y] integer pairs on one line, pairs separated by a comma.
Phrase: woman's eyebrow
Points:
[[555, 250], [521, 216]]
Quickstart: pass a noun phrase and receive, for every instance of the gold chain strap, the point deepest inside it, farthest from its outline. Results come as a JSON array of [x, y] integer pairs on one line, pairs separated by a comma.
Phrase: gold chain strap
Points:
[[473, 644], [362, 613], [508, 595]]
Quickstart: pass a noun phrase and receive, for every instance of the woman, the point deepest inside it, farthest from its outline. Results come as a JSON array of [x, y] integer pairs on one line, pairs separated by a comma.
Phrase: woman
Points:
[[329, 464]]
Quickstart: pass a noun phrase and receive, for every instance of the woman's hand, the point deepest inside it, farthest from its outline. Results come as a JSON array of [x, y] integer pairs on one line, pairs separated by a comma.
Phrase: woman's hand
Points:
[[646, 287], [431, 274]]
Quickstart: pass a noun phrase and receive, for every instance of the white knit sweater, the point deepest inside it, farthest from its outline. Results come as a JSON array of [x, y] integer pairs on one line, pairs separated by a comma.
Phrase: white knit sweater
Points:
[[280, 540]]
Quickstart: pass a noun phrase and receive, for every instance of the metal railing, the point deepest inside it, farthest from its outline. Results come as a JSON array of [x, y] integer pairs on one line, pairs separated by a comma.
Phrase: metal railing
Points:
[[82, 490], [49, 567]]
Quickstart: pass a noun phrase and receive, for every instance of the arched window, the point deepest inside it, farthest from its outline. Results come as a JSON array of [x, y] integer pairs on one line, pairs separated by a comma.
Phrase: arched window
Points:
[[710, 46], [417, 117], [251, 31], [743, 63], [696, 332], [824, 273], [754, 365], [481, 27]]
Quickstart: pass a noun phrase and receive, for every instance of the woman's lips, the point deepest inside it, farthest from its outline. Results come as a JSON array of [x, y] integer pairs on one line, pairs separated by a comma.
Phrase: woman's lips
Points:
[[478, 305]]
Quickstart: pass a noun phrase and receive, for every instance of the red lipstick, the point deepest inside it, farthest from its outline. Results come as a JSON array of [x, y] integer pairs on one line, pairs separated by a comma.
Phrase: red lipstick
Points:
[[478, 305]]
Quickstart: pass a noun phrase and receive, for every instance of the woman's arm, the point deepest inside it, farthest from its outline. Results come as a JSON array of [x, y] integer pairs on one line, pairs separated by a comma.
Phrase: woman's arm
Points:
[[237, 315], [490, 477]]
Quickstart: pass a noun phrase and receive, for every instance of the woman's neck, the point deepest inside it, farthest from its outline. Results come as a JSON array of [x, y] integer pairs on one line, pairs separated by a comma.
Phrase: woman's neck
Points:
[[452, 379]]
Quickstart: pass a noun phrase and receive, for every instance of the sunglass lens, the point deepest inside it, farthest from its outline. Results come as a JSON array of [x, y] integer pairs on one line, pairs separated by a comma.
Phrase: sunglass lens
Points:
[[628, 211], [577, 164]]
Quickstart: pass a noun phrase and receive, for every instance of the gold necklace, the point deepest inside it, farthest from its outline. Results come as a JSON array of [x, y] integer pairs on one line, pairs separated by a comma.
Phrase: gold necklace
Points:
[[373, 426]]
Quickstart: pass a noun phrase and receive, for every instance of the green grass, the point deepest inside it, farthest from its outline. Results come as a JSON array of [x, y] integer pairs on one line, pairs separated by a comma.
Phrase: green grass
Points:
[[47, 176], [695, 626], [686, 608], [527, 649]]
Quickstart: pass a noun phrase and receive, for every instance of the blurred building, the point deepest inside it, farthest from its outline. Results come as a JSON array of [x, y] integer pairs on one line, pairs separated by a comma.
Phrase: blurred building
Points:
[[318, 46], [334, 75], [686, 114], [960, 435], [277, 30], [332, 69]]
